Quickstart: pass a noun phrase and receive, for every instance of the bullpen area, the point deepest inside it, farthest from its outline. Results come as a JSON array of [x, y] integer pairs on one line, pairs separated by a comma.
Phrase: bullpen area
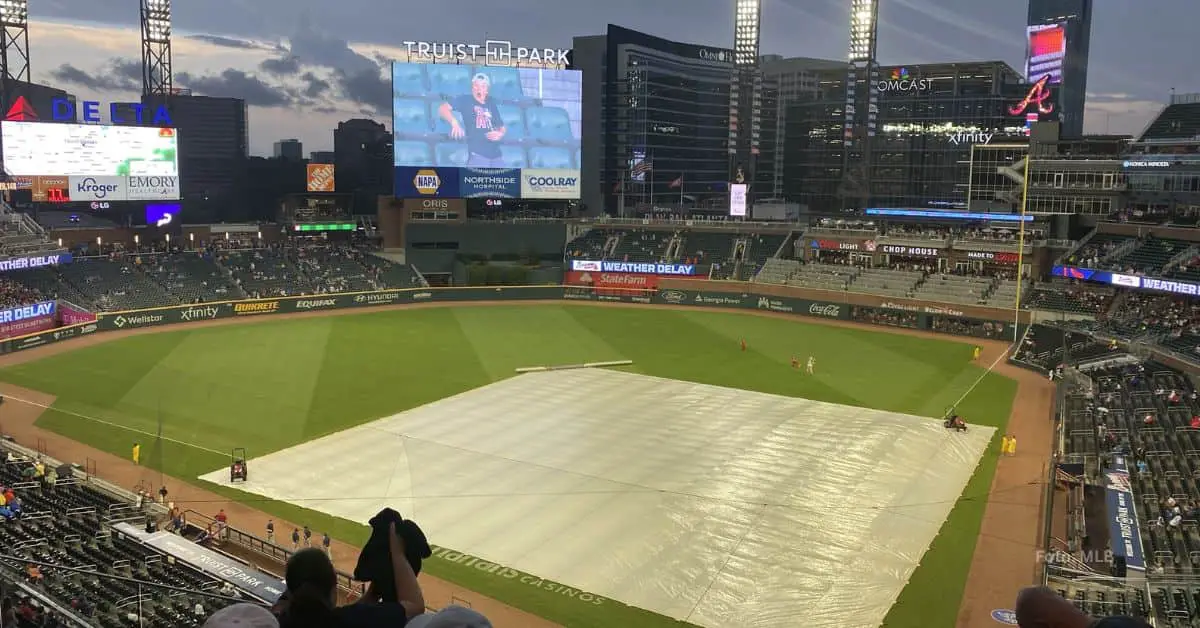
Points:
[[705, 484]]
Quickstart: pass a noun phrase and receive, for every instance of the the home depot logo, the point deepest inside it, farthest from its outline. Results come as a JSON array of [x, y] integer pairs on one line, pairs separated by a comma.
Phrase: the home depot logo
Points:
[[262, 307]]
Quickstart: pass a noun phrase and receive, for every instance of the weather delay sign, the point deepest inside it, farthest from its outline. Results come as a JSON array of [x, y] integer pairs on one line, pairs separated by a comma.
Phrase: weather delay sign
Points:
[[635, 268]]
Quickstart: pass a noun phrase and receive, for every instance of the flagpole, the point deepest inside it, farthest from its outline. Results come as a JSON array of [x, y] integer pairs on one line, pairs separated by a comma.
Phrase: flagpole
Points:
[[621, 197], [681, 192], [650, 174]]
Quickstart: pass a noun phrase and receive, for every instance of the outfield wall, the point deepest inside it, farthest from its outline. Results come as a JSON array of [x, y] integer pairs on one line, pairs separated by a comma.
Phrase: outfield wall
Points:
[[905, 313]]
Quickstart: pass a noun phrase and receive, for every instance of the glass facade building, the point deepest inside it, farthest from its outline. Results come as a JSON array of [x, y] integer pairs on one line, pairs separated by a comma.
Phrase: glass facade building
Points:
[[927, 120], [656, 122], [1076, 18]]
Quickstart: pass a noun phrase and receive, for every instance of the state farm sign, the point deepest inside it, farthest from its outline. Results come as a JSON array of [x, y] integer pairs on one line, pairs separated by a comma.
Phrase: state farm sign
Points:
[[613, 281]]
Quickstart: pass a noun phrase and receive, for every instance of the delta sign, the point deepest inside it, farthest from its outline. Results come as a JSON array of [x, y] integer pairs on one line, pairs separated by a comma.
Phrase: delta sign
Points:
[[65, 110]]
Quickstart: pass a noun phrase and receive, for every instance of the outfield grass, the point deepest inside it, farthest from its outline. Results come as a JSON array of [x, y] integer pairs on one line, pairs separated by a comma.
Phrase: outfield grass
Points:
[[270, 385]]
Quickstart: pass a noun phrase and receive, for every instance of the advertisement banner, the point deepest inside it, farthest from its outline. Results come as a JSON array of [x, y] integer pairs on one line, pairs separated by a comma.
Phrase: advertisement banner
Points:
[[489, 182], [151, 188], [71, 316], [448, 205], [426, 182], [989, 256], [1171, 286], [254, 308], [641, 268], [262, 586], [1125, 536], [30, 341], [912, 251], [98, 189], [539, 183], [614, 284], [837, 245], [320, 178], [34, 261], [20, 327], [737, 199]]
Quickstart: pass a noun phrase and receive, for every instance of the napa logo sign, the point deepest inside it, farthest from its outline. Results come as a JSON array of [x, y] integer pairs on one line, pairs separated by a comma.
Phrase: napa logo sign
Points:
[[901, 81]]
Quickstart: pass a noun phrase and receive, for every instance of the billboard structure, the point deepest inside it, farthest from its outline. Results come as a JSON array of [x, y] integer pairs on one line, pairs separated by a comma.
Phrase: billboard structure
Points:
[[97, 162], [453, 120], [320, 178], [1047, 48]]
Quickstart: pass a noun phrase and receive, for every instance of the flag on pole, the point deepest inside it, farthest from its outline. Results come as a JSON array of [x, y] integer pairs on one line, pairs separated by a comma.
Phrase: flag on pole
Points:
[[642, 167], [617, 187], [677, 183]]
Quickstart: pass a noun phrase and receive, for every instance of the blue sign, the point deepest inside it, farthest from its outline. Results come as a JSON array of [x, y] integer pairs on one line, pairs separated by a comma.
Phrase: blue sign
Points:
[[925, 213], [414, 182], [1005, 616], [490, 182], [1172, 286], [64, 110], [633, 268], [26, 312], [1124, 533], [34, 261]]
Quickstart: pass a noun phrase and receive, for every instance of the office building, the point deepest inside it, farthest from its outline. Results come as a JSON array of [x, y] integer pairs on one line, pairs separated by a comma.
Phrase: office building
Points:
[[362, 157], [291, 150], [785, 82], [926, 120], [321, 157], [656, 124], [214, 142], [1162, 168], [1058, 41]]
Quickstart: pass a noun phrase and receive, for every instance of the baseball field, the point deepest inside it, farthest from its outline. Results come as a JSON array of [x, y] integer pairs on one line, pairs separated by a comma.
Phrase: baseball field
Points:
[[191, 395]]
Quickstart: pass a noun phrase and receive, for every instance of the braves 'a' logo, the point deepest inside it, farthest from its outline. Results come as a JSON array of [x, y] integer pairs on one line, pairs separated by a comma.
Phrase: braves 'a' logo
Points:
[[1038, 95]]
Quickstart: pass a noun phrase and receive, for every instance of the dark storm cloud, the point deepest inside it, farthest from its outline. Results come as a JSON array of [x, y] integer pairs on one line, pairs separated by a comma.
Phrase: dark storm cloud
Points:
[[236, 84], [117, 75], [226, 42], [285, 66], [314, 86], [358, 78]]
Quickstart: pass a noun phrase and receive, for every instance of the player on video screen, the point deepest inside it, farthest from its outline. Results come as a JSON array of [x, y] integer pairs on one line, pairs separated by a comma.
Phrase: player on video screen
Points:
[[481, 118]]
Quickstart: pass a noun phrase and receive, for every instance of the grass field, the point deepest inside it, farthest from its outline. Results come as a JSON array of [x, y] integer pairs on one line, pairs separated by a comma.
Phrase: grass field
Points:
[[273, 384]]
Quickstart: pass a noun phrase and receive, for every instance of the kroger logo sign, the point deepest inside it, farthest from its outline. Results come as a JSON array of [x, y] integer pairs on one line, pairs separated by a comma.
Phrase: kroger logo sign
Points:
[[97, 188]]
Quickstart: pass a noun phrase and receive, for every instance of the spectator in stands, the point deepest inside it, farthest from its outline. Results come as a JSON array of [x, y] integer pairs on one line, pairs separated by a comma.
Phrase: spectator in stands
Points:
[[162, 494], [13, 294], [1040, 607], [451, 617], [312, 594]]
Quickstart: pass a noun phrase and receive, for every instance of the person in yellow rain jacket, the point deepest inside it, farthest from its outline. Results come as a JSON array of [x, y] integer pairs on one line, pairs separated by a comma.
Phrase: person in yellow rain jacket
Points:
[[975, 354], [137, 453]]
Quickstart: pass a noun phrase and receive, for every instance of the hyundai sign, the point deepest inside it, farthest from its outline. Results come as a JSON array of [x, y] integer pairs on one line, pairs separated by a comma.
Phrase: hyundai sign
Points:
[[635, 268]]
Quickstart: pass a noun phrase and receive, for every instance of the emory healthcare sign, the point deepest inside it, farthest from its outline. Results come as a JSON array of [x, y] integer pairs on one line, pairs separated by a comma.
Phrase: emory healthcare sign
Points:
[[490, 52]]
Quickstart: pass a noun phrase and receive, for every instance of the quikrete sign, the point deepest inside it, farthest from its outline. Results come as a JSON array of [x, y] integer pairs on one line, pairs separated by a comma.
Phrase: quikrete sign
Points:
[[63, 110]]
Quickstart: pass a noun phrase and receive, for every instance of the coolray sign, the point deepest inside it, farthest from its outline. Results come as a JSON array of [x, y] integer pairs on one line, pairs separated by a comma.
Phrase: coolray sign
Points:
[[97, 188], [633, 267], [64, 110], [489, 182], [199, 313], [22, 312], [490, 52], [34, 261], [136, 320], [900, 81], [152, 188], [915, 251], [315, 304], [977, 137], [549, 183], [1146, 164]]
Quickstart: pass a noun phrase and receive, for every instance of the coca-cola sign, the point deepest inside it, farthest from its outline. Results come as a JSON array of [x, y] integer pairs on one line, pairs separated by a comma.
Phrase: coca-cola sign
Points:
[[825, 310]]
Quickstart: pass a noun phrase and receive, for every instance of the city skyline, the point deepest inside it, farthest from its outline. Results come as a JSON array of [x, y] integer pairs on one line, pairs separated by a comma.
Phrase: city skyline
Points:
[[302, 75]]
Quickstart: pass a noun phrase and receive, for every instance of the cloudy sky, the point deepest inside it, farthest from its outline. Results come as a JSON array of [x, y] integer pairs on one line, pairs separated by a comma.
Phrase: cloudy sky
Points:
[[303, 65]]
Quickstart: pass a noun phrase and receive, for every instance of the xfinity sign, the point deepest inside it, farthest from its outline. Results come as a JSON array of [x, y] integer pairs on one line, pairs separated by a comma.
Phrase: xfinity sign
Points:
[[490, 52], [959, 139]]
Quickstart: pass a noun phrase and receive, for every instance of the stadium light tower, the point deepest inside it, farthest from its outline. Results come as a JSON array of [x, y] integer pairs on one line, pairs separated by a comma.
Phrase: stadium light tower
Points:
[[156, 47], [14, 39], [745, 92], [862, 103]]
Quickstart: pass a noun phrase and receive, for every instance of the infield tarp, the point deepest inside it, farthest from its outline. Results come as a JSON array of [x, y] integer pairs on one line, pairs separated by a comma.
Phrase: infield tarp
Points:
[[716, 506]]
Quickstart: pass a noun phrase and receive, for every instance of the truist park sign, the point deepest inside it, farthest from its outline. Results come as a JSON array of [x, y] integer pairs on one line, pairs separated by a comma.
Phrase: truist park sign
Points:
[[490, 52]]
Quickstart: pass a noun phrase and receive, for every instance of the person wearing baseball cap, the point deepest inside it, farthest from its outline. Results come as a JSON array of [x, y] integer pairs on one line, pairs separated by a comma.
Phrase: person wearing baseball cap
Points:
[[451, 617], [1040, 607], [242, 616], [481, 125]]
